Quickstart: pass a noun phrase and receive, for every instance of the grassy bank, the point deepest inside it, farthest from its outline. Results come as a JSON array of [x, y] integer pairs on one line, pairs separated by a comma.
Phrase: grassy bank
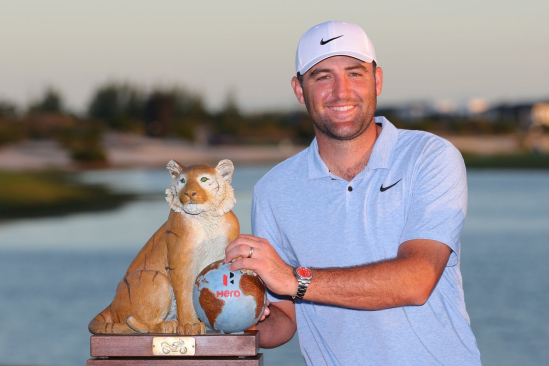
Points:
[[515, 161], [51, 193], [24, 195]]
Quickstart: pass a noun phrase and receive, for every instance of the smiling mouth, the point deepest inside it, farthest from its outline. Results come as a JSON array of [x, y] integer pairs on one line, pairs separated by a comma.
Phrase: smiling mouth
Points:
[[342, 109]]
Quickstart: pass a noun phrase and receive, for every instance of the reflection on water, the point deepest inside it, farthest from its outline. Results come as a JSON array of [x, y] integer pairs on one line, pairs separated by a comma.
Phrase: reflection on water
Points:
[[58, 273]]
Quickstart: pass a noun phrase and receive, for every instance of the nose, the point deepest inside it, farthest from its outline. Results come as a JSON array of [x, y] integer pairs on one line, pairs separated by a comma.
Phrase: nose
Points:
[[190, 193], [342, 87]]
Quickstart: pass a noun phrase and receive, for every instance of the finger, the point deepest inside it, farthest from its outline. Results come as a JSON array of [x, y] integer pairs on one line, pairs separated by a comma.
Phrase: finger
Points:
[[244, 263], [250, 240], [252, 237], [243, 240], [234, 249], [239, 251], [266, 311], [234, 243]]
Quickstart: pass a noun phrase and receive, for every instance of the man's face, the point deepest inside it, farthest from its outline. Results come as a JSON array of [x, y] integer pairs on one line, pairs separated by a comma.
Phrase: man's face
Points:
[[340, 94]]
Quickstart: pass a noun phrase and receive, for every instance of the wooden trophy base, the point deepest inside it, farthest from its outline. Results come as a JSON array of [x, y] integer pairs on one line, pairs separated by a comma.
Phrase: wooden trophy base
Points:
[[172, 350]]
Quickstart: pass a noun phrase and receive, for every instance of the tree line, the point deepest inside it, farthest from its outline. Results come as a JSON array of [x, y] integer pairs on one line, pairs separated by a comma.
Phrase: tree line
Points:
[[161, 112], [168, 112], [176, 112]]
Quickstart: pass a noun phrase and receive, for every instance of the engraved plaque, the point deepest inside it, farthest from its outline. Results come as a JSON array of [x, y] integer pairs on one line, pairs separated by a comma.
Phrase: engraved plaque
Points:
[[173, 346]]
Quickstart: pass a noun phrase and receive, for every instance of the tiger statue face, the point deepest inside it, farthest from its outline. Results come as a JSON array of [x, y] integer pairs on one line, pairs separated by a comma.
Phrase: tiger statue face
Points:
[[201, 189]]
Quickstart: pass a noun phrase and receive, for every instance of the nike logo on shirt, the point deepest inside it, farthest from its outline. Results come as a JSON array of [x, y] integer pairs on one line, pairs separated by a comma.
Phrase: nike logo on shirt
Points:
[[383, 189]]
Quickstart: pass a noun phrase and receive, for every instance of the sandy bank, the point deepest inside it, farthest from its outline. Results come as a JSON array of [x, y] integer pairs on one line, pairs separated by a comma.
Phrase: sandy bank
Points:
[[133, 151]]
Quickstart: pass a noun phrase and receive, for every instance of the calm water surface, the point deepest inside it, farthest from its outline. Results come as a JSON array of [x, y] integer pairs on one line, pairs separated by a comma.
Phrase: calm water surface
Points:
[[58, 273]]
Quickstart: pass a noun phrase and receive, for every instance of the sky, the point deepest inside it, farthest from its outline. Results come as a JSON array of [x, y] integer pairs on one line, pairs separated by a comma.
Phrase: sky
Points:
[[449, 51]]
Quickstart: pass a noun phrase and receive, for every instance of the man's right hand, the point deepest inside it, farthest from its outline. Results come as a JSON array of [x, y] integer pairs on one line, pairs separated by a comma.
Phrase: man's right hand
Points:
[[265, 261], [278, 323]]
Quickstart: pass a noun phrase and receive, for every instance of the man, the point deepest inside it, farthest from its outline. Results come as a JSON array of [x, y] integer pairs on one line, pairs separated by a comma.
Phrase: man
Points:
[[357, 237]]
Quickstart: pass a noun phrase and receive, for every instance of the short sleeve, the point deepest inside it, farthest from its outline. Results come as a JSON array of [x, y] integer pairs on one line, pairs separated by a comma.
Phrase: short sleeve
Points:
[[439, 199], [264, 226]]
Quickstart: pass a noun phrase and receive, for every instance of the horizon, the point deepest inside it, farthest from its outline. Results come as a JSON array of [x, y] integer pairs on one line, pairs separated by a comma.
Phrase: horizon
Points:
[[442, 106]]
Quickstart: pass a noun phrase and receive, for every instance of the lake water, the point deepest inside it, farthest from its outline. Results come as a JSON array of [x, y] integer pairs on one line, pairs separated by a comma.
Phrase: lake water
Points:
[[58, 273]]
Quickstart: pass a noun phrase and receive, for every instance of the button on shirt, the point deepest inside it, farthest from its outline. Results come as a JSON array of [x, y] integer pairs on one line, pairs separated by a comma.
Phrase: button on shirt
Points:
[[414, 187]]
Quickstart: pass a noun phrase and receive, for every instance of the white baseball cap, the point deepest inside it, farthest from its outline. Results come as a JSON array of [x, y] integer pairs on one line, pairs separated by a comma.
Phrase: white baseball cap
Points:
[[333, 39]]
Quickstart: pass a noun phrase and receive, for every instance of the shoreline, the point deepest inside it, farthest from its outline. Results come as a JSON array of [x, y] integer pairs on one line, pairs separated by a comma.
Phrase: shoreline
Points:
[[129, 151]]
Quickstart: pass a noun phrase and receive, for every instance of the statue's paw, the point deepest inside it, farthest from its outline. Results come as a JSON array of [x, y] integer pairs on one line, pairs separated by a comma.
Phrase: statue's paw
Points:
[[191, 328], [168, 327]]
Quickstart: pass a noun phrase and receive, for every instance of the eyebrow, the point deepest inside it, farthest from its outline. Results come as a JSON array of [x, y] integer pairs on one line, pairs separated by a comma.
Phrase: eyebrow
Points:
[[361, 67], [319, 71]]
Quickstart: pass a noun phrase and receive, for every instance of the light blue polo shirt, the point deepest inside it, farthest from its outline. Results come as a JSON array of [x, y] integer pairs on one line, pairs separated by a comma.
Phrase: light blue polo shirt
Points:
[[414, 187]]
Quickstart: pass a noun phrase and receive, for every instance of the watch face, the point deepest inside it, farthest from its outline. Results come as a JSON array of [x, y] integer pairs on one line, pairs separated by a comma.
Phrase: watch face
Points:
[[304, 272]]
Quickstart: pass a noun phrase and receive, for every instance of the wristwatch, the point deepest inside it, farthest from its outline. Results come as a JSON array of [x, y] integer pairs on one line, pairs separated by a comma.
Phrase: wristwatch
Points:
[[304, 277]]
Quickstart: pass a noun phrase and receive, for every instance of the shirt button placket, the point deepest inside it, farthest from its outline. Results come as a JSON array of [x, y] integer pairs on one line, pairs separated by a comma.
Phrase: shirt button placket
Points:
[[347, 197]]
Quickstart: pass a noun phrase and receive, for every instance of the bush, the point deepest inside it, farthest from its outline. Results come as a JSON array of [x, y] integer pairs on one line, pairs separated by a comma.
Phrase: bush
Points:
[[84, 142]]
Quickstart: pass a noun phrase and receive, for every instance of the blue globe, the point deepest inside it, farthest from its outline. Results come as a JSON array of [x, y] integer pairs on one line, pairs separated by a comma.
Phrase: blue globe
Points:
[[228, 302]]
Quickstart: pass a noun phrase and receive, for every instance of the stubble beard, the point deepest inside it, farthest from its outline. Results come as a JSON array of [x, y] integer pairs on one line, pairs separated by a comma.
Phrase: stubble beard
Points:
[[324, 125]]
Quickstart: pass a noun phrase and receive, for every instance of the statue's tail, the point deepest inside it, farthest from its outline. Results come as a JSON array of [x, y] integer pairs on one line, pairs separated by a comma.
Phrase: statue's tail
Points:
[[169, 326], [137, 326], [104, 324]]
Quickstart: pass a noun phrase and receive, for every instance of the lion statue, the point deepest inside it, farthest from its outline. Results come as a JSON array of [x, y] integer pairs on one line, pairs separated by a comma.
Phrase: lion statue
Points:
[[155, 294]]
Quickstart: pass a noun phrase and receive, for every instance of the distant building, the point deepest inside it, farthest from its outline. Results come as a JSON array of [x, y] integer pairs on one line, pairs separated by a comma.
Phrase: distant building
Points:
[[519, 113], [476, 106], [540, 114]]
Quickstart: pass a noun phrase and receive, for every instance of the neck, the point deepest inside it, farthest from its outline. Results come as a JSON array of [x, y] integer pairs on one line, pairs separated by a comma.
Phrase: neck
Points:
[[347, 158]]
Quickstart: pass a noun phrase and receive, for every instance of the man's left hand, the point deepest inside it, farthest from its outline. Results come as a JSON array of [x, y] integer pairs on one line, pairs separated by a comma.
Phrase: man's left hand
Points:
[[265, 261]]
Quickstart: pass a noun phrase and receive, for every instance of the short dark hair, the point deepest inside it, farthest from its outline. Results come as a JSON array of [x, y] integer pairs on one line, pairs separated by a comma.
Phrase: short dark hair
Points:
[[300, 76]]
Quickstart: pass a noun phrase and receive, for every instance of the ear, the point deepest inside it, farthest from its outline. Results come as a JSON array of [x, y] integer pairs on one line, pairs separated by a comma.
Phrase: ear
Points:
[[226, 169], [174, 168], [298, 90], [379, 80]]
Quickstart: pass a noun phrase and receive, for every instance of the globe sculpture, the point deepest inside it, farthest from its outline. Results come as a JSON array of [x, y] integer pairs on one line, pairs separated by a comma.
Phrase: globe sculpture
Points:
[[228, 302]]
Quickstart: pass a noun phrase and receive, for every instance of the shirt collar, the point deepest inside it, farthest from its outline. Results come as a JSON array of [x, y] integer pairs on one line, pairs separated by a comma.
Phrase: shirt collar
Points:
[[380, 158], [384, 146], [317, 168]]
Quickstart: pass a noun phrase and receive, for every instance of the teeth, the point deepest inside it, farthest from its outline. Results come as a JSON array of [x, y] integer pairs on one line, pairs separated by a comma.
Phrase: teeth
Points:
[[341, 109]]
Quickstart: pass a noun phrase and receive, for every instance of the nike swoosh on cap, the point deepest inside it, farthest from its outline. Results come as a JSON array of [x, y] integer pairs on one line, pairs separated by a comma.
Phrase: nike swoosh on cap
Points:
[[383, 189], [323, 42]]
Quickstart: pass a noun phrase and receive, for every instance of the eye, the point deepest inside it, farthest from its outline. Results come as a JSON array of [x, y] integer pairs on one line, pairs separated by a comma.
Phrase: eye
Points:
[[183, 180], [203, 179]]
